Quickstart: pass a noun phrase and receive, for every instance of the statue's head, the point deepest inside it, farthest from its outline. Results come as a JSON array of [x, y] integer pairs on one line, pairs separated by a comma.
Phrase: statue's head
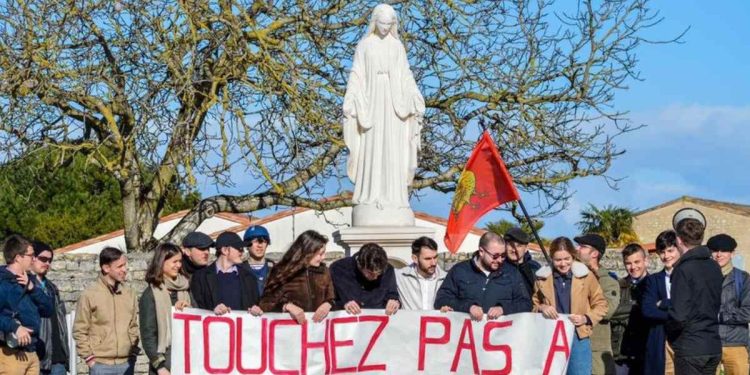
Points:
[[383, 21]]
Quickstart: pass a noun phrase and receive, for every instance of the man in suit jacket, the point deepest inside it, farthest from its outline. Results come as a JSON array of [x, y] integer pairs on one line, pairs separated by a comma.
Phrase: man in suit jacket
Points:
[[655, 303], [224, 285]]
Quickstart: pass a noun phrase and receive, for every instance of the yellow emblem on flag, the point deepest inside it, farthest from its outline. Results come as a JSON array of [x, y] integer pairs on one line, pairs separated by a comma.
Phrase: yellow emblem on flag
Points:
[[464, 190]]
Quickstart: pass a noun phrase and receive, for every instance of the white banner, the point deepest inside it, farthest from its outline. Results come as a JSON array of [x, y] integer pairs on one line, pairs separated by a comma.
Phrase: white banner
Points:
[[410, 342]]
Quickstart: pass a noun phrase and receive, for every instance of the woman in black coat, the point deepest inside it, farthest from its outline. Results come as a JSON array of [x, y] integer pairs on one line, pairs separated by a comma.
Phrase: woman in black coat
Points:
[[167, 287]]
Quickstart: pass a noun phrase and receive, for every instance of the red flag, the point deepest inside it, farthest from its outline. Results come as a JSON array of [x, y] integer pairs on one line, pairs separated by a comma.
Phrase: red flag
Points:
[[484, 184]]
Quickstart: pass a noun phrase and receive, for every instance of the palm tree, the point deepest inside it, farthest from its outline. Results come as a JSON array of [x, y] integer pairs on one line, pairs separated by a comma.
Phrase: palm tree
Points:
[[613, 223]]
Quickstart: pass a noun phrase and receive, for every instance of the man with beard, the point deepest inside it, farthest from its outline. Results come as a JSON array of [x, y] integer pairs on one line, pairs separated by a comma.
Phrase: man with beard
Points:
[[418, 283], [53, 333], [591, 248], [484, 284]]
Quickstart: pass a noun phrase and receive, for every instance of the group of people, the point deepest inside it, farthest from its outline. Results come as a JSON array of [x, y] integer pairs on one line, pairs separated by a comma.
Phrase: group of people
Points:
[[685, 319]]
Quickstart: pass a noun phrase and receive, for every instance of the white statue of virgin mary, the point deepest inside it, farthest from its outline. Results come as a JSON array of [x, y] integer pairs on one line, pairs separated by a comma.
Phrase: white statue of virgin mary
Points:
[[383, 111]]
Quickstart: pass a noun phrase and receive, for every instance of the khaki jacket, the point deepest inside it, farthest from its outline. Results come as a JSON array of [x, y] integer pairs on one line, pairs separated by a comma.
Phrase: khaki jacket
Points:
[[106, 323], [586, 299], [601, 338]]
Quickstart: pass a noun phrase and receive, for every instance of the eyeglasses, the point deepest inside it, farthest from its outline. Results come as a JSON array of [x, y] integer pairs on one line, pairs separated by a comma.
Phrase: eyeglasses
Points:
[[722, 251], [496, 256], [44, 259], [30, 255]]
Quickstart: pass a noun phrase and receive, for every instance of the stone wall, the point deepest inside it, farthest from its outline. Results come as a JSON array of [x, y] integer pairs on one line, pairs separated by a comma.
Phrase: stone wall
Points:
[[73, 273]]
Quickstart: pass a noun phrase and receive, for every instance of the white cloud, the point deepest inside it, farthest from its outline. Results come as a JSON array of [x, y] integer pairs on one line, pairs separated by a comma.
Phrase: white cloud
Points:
[[683, 119]]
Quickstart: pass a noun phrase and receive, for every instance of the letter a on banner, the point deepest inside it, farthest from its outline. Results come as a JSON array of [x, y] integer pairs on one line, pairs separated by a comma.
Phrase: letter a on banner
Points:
[[484, 184]]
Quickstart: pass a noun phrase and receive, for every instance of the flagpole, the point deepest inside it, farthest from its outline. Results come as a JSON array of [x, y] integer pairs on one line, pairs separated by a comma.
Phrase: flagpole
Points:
[[533, 230]]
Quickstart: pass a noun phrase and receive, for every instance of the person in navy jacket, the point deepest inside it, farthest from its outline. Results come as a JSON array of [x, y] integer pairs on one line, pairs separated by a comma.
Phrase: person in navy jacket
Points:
[[484, 284], [655, 304]]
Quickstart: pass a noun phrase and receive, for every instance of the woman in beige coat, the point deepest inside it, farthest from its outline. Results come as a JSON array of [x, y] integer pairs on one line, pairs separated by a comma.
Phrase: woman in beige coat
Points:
[[569, 287]]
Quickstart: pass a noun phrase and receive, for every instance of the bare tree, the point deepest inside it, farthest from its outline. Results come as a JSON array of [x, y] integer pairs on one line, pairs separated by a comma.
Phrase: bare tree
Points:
[[157, 92]]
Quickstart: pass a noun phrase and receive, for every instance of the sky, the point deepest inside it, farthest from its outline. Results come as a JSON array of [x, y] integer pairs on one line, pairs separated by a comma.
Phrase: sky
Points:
[[695, 102]]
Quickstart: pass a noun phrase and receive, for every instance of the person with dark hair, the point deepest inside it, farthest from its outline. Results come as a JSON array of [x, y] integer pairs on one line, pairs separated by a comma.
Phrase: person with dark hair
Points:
[[22, 306], [301, 282], [654, 304], [167, 287], [53, 350], [419, 282], [517, 249], [195, 251], [734, 315], [226, 285], [591, 249], [569, 287], [365, 281], [484, 284], [693, 324], [257, 239], [629, 328], [106, 323]]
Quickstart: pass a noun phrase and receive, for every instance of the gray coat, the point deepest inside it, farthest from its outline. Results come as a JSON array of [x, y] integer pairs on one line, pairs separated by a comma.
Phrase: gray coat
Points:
[[45, 333], [734, 317]]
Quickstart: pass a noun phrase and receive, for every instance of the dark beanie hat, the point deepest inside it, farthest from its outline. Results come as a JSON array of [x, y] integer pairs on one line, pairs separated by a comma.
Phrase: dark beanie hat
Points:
[[721, 242], [594, 240]]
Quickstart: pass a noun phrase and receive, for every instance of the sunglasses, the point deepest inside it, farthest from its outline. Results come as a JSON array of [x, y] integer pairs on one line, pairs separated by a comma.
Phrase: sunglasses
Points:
[[44, 259], [497, 256]]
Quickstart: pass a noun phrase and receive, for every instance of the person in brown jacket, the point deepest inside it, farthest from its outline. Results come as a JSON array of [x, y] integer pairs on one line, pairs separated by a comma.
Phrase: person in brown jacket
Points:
[[570, 288], [106, 325], [300, 282]]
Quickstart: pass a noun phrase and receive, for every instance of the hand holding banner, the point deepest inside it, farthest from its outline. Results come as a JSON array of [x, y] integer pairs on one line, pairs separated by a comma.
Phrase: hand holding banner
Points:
[[410, 342]]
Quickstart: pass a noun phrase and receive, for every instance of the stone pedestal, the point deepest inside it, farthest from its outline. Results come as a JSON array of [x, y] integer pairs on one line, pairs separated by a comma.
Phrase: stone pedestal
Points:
[[364, 215], [395, 240]]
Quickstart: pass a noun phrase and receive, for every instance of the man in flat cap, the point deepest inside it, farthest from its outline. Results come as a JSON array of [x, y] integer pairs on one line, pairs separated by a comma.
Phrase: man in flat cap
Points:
[[517, 250], [692, 325], [195, 247], [225, 285], [735, 306], [591, 248]]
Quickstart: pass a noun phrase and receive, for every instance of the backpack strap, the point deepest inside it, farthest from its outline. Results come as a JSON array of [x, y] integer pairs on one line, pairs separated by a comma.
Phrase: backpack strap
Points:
[[739, 284]]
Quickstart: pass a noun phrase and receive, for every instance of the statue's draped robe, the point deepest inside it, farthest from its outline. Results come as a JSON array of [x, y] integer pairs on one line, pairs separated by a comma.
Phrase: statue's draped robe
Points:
[[382, 115]]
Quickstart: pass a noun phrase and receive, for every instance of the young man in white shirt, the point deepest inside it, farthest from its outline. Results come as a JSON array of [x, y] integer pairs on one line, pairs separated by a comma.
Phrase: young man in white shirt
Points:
[[419, 282]]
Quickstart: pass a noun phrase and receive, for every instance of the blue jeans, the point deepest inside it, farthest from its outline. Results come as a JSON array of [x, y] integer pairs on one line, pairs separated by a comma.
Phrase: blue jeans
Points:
[[56, 369], [580, 357]]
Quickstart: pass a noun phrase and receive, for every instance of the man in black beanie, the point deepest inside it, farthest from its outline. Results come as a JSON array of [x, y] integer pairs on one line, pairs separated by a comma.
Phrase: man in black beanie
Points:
[[734, 315]]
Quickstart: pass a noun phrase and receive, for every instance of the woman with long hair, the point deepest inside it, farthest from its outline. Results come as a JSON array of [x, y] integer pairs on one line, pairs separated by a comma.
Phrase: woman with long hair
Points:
[[569, 287], [301, 282], [167, 287]]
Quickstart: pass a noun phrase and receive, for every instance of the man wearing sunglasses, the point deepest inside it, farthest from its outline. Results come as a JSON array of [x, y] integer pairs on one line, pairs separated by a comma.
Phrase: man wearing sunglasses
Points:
[[484, 284], [734, 315], [53, 333], [225, 285], [22, 306]]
